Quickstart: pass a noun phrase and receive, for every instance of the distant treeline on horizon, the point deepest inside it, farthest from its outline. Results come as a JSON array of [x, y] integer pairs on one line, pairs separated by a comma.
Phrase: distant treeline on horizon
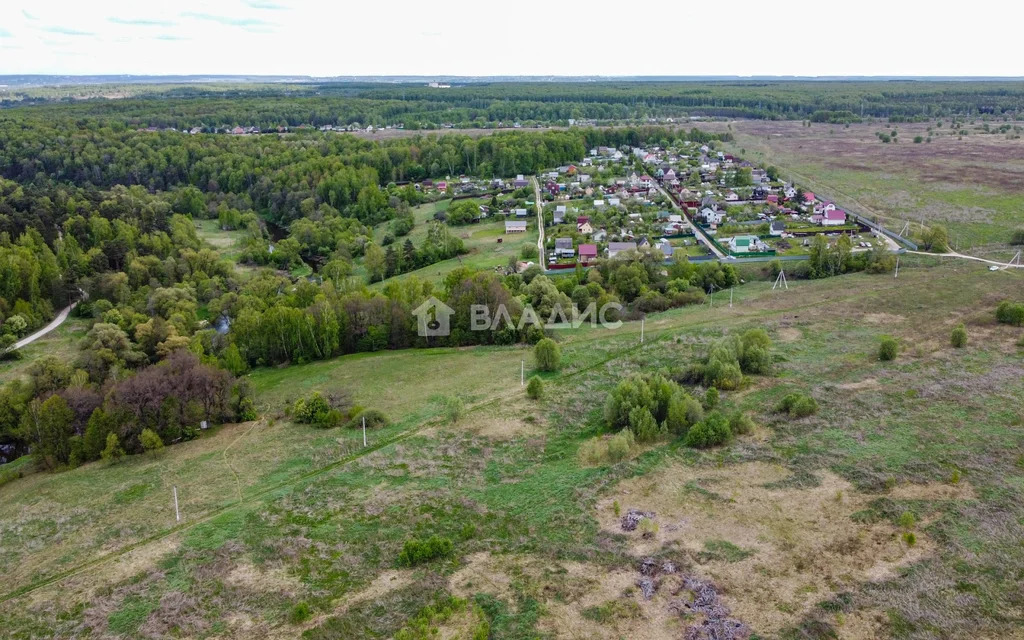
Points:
[[212, 103]]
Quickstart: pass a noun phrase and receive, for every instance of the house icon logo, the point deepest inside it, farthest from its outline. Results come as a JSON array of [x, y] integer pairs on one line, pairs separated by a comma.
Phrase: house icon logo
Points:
[[433, 318]]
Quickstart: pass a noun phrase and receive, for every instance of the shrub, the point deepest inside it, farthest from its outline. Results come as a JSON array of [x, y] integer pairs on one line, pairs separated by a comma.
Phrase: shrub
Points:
[[598, 451], [712, 431], [620, 445], [797, 405], [1011, 313], [907, 520], [910, 538], [535, 388], [300, 612], [959, 337], [740, 423], [374, 419], [683, 412], [711, 397], [888, 348], [643, 424], [452, 408], [547, 355], [311, 410], [112, 452], [150, 441], [1018, 236], [416, 551]]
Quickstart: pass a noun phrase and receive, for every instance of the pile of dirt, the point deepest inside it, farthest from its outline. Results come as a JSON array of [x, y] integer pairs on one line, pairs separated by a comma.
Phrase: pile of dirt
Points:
[[696, 601], [634, 517]]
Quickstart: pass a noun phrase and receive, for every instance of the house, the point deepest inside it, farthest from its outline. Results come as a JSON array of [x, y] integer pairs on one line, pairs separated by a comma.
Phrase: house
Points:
[[563, 248], [521, 213], [583, 225], [599, 235], [588, 252], [664, 247], [515, 226], [599, 204], [559, 216], [772, 199], [743, 244], [777, 227], [615, 248], [808, 197], [711, 216], [731, 197], [442, 186], [669, 176], [646, 181], [520, 181], [834, 217], [613, 202]]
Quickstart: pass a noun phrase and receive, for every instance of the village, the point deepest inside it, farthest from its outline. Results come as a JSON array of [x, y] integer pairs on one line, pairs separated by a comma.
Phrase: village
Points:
[[689, 201]]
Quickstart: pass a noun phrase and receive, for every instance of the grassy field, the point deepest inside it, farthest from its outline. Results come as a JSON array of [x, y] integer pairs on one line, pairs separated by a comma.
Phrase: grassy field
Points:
[[800, 524], [484, 252], [969, 183], [62, 343]]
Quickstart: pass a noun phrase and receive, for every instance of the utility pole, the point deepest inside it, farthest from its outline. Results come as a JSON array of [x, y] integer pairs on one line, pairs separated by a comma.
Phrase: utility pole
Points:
[[730, 297], [642, 330], [177, 514], [522, 373], [364, 431], [897, 274], [780, 282]]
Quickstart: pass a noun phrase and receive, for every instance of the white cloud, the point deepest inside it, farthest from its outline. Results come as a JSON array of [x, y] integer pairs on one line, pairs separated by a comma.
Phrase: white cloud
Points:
[[459, 37]]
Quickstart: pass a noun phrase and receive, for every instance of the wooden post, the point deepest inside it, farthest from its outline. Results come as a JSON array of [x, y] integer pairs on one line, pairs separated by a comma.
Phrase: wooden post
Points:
[[364, 431], [522, 373], [177, 514], [642, 330]]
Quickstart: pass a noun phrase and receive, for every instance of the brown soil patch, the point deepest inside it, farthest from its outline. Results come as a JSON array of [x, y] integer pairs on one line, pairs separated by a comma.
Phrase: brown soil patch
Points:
[[796, 546], [382, 585], [789, 334], [867, 383], [882, 318], [506, 421], [933, 491], [567, 589]]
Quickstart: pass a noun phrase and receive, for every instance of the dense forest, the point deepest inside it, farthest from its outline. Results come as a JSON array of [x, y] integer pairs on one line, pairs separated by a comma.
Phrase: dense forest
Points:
[[487, 104], [107, 215]]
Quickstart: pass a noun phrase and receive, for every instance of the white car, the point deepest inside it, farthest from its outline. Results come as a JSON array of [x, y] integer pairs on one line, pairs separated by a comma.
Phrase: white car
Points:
[[993, 268]]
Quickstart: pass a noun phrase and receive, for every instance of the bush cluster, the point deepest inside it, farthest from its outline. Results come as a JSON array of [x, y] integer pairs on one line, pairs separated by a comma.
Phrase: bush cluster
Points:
[[1011, 313], [651, 406], [730, 358], [797, 405], [597, 451], [417, 551], [959, 337]]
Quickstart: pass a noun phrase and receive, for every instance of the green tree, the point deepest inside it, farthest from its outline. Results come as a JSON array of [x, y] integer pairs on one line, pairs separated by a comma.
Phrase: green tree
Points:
[[547, 355], [150, 441], [112, 452]]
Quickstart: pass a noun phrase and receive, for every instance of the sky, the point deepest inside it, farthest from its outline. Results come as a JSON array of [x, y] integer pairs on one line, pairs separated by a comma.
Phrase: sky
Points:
[[530, 37]]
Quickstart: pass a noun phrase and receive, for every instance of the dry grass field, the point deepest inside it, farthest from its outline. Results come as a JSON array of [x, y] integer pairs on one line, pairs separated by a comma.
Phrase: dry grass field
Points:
[[970, 183], [799, 528]]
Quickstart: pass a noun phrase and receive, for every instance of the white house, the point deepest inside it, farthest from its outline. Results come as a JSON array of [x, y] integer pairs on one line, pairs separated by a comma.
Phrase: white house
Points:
[[515, 226]]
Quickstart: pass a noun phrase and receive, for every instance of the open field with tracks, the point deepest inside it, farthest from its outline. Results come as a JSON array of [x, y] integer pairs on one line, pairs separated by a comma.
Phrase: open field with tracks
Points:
[[800, 524], [970, 183]]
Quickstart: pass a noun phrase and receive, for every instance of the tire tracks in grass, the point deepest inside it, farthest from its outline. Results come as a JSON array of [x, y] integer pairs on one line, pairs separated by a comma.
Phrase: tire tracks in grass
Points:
[[254, 497], [652, 337]]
